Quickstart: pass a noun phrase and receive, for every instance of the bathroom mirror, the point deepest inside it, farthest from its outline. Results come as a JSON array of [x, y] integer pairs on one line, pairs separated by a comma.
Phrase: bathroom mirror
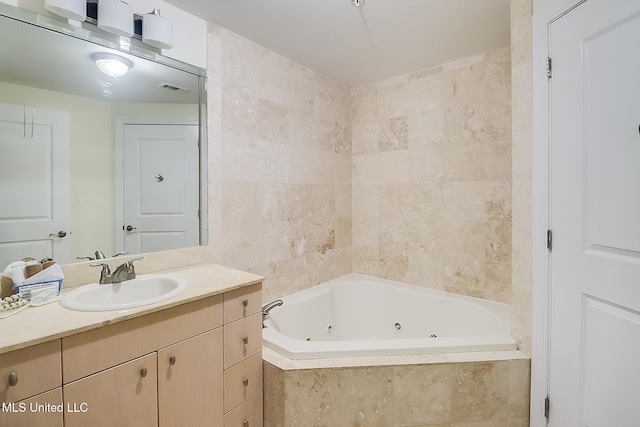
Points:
[[89, 161]]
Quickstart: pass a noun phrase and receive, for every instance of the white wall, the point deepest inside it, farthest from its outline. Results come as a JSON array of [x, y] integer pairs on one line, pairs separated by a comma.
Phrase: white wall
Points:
[[189, 31]]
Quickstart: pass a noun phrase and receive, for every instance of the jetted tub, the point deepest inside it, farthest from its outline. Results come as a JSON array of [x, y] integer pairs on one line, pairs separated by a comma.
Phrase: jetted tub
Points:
[[357, 315]]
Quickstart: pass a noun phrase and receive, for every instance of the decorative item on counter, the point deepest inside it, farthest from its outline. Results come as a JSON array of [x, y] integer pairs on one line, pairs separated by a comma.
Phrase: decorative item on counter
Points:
[[6, 287], [36, 281], [11, 305]]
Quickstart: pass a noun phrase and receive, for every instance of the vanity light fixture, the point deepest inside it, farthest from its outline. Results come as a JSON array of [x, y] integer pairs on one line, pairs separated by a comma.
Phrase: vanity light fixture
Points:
[[116, 17], [112, 65], [71, 9], [157, 31]]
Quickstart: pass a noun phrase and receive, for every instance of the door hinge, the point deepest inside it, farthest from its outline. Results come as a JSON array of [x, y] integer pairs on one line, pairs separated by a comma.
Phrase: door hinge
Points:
[[549, 240], [548, 67], [546, 407]]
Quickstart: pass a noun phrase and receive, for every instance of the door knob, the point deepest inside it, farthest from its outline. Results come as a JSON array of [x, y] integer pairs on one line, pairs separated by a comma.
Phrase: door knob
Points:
[[60, 234], [130, 228]]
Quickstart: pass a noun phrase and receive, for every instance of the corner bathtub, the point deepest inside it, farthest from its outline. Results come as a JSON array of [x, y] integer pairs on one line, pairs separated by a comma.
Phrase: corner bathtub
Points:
[[357, 315]]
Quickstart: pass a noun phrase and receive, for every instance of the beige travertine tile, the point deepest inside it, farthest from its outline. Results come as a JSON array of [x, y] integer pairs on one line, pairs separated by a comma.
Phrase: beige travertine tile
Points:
[[480, 392], [422, 394], [522, 161], [393, 134], [331, 397], [519, 389], [464, 276], [273, 395], [482, 424]]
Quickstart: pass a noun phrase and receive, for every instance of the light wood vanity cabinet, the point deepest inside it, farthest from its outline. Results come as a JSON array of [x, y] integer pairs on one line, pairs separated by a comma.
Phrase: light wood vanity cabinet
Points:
[[124, 395], [196, 364], [30, 391], [243, 357], [189, 382]]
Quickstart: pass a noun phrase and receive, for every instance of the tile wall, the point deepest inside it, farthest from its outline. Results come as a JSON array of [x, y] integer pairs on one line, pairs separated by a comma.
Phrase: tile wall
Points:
[[522, 160], [432, 177], [280, 166]]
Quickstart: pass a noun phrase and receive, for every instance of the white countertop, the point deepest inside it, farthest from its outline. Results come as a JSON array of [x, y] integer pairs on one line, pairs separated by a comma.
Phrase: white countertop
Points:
[[36, 325]]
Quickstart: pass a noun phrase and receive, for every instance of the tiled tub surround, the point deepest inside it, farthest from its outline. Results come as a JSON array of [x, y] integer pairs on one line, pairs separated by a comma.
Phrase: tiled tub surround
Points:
[[431, 172], [466, 387], [357, 315], [489, 389]]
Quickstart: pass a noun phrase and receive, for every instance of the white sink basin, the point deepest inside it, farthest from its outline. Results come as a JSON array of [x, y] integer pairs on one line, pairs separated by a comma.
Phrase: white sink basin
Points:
[[144, 289]]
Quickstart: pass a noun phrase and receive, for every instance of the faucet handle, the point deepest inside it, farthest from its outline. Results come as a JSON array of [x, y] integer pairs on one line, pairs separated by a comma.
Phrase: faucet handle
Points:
[[105, 274], [120, 253], [130, 268], [105, 267]]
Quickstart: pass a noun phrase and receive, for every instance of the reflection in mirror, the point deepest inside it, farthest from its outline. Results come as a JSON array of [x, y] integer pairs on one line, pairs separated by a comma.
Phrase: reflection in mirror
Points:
[[90, 162]]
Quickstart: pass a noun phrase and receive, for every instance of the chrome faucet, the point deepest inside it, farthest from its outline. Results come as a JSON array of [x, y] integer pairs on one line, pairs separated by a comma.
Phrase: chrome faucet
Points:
[[123, 272], [268, 307]]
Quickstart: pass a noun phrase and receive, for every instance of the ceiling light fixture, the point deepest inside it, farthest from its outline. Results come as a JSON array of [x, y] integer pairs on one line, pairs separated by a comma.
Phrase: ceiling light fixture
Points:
[[357, 3], [112, 65]]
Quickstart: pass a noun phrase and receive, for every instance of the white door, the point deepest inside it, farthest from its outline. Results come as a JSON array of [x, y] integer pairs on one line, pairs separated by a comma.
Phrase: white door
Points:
[[594, 363], [161, 187], [34, 183]]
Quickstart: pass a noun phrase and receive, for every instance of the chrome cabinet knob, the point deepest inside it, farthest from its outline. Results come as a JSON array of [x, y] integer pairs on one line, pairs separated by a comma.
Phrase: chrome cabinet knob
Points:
[[143, 372], [245, 381], [13, 379], [245, 302], [172, 360], [245, 340], [245, 423]]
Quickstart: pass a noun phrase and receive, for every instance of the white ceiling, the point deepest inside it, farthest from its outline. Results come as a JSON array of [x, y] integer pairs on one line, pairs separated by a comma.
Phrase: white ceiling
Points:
[[358, 46]]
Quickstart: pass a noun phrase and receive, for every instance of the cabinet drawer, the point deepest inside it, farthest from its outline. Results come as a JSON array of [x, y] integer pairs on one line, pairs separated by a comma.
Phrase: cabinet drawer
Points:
[[37, 369], [242, 302], [249, 414], [242, 381], [242, 339], [92, 351], [43, 410]]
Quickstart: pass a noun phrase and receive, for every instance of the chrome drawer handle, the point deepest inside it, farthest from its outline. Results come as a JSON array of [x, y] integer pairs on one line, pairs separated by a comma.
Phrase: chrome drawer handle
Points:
[[143, 372], [245, 340], [245, 381], [13, 379]]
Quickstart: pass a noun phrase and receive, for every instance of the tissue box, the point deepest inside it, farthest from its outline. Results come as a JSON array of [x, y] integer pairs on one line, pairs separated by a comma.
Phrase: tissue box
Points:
[[42, 287], [41, 291]]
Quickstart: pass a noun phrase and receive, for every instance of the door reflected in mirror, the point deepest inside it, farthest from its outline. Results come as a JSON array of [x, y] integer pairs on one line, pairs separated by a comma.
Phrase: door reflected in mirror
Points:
[[109, 163]]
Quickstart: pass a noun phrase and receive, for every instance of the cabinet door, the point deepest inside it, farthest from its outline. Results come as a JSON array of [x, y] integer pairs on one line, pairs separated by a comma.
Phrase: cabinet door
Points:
[[190, 382], [121, 396], [43, 410]]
